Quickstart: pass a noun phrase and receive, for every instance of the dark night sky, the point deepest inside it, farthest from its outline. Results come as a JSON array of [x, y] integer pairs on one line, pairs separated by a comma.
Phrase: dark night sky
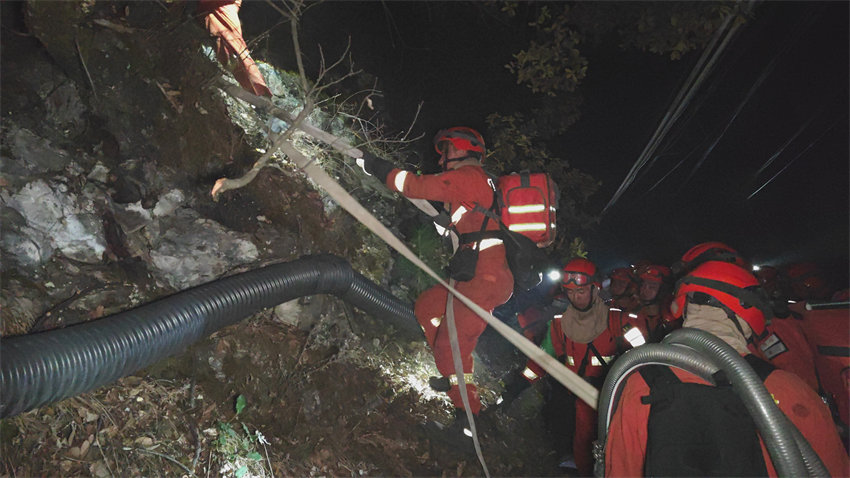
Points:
[[451, 57]]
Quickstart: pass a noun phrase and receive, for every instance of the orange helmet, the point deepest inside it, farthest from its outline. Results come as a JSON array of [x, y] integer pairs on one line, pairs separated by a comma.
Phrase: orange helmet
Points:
[[577, 273], [654, 273], [734, 287], [708, 251], [806, 281], [462, 138], [623, 273]]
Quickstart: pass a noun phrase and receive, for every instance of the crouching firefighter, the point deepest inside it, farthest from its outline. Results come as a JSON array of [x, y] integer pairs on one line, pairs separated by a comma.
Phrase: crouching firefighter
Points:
[[670, 422], [479, 265]]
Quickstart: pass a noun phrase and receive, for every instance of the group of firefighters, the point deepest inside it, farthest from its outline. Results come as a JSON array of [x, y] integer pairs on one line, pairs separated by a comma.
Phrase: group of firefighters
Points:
[[588, 327], [770, 317], [712, 288]]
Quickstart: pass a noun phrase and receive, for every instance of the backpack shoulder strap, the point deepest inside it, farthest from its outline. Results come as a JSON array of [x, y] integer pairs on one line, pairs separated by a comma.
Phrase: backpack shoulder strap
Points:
[[762, 367]]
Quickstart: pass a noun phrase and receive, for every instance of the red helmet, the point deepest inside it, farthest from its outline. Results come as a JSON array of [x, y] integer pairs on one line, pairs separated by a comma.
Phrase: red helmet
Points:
[[731, 285], [806, 281], [709, 251], [577, 273], [623, 273], [462, 138], [654, 273]]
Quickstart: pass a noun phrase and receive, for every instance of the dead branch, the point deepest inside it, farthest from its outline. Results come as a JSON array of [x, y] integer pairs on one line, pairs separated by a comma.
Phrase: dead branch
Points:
[[85, 69], [113, 26]]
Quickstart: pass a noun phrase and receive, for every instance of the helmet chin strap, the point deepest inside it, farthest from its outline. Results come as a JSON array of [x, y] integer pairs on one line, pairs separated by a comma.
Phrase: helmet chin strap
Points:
[[463, 158]]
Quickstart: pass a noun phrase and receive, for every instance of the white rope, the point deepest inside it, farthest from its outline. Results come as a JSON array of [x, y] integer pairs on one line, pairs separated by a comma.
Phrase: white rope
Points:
[[583, 390], [461, 380], [568, 378]]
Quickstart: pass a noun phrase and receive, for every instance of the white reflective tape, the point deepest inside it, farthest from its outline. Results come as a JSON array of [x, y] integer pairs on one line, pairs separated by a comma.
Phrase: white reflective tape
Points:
[[635, 337], [441, 230], [596, 363], [634, 316], [525, 209], [490, 242], [436, 321], [400, 178], [557, 316], [528, 226], [467, 378], [529, 374], [458, 214], [571, 361], [616, 309]]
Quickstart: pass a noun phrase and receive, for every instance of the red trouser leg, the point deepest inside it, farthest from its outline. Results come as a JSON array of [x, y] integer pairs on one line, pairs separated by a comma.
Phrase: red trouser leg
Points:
[[491, 287], [583, 439], [224, 23]]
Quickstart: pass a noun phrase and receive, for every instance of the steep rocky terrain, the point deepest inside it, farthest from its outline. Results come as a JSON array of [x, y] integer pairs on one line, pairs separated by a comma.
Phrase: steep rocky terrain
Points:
[[112, 136]]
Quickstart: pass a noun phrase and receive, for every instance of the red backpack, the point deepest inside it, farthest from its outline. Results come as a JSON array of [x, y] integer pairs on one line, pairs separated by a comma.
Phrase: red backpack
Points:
[[528, 203]]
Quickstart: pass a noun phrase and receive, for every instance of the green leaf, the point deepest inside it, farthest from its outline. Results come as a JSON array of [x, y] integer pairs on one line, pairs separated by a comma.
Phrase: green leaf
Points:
[[241, 471], [240, 404], [255, 456]]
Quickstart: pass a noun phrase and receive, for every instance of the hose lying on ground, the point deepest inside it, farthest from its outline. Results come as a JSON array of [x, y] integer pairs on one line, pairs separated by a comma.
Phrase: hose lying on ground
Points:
[[43, 368]]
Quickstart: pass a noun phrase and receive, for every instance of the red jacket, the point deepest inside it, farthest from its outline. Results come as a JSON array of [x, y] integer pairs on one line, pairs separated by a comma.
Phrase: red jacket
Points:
[[464, 187], [627, 436]]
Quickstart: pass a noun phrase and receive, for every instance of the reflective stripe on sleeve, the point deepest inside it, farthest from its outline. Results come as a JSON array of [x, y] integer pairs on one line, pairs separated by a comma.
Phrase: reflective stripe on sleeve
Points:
[[436, 321], [398, 182], [529, 374], [458, 214]]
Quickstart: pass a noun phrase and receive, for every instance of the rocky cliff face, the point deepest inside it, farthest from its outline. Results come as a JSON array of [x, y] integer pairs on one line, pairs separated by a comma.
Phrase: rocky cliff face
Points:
[[112, 137]]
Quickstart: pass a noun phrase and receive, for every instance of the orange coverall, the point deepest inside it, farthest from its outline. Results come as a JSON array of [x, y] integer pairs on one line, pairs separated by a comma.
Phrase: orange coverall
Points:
[[627, 436], [222, 20], [492, 285]]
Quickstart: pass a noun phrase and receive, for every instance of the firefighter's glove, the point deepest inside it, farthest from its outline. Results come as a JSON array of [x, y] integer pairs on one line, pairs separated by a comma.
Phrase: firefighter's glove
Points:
[[515, 384], [375, 166]]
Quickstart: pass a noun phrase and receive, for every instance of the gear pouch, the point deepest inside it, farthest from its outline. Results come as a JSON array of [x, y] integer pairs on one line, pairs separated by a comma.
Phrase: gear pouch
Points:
[[462, 265]]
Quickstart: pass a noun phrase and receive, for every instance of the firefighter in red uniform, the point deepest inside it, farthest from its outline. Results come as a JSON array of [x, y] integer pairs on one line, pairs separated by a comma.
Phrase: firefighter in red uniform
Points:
[[827, 330], [221, 17], [726, 315], [804, 281], [588, 336], [461, 186], [707, 251], [654, 294], [783, 342], [623, 289]]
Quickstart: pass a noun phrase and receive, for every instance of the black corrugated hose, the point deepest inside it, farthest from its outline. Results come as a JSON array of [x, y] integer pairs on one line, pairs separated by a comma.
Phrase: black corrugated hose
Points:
[[43, 368]]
